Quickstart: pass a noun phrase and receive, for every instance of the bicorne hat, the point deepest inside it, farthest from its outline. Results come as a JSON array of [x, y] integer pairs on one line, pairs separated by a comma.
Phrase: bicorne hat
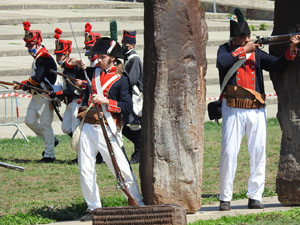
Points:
[[31, 36], [61, 46], [129, 37], [90, 37], [239, 28], [107, 46]]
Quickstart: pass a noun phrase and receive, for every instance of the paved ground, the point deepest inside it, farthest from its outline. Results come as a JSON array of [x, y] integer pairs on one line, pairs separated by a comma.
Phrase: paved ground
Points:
[[239, 207]]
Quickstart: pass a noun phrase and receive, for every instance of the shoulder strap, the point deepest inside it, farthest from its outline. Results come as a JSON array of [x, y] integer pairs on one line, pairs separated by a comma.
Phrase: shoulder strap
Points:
[[130, 57], [107, 114], [232, 70]]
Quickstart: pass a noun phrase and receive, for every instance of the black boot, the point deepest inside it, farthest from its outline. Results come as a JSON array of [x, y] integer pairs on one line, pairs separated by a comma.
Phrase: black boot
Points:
[[56, 141], [99, 158], [47, 160], [255, 204], [224, 206]]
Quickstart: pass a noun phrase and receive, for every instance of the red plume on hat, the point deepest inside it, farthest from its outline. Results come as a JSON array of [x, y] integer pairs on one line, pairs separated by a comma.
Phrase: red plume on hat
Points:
[[26, 25], [88, 27], [31, 36], [61, 46], [57, 34], [90, 37]]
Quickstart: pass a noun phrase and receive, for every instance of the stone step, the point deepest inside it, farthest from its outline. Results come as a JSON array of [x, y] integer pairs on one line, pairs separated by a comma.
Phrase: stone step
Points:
[[15, 47], [14, 5], [10, 17], [16, 32]]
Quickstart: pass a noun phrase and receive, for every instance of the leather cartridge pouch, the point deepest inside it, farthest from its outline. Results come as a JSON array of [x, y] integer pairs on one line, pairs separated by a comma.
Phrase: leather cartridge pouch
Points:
[[92, 117], [238, 97]]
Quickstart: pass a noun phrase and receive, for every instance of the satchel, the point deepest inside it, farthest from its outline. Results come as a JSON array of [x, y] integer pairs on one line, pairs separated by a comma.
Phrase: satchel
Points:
[[214, 110], [77, 132], [137, 100]]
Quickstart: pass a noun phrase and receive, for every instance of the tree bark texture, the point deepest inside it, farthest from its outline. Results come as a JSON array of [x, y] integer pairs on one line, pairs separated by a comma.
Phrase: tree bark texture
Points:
[[174, 102], [287, 20]]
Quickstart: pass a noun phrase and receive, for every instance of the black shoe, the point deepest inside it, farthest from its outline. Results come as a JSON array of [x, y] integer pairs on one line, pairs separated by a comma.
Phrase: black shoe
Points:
[[99, 159], [255, 204], [74, 161], [224, 206], [46, 160], [134, 161], [56, 141], [87, 217]]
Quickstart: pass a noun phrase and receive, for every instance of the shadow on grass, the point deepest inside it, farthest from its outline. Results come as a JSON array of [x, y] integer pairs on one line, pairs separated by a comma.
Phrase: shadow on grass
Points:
[[73, 212], [76, 210], [57, 161]]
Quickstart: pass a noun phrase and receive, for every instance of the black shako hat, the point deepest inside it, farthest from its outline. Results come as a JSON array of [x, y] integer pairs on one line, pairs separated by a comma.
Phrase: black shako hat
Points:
[[107, 46], [239, 28]]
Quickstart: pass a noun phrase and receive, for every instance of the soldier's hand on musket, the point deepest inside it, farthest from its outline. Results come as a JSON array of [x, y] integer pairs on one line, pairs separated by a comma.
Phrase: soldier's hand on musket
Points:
[[78, 83], [250, 47], [295, 40], [99, 99], [17, 87], [81, 64]]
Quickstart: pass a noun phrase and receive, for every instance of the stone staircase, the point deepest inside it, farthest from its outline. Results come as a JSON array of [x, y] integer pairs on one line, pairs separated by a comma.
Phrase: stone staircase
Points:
[[46, 15]]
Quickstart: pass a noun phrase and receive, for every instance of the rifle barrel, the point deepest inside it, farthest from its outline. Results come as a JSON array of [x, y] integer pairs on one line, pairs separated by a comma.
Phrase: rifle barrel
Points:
[[10, 166], [7, 83], [63, 75], [33, 87]]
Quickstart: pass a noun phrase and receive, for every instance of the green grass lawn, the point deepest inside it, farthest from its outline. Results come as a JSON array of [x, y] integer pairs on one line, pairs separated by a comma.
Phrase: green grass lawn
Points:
[[50, 192]]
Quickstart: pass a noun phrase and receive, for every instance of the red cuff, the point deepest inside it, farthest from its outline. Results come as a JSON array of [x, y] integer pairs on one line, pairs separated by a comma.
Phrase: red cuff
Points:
[[112, 106], [290, 55], [239, 52], [23, 82], [59, 92], [84, 84]]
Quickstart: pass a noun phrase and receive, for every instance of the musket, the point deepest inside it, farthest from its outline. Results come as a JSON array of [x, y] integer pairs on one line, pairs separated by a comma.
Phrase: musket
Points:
[[276, 39], [73, 79], [13, 167], [32, 87], [45, 92], [64, 75], [6, 83], [119, 176]]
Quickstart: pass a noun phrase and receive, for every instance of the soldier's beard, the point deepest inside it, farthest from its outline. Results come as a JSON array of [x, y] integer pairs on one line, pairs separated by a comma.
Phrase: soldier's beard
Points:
[[105, 66]]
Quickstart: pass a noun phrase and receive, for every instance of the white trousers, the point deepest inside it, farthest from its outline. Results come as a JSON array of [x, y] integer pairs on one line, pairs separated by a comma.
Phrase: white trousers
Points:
[[91, 142], [70, 120], [236, 122], [39, 118]]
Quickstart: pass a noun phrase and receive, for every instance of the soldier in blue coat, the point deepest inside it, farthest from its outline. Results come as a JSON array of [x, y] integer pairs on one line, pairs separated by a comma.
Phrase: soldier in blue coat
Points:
[[243, 109], [39, 114], [134, 68], [112, 93]]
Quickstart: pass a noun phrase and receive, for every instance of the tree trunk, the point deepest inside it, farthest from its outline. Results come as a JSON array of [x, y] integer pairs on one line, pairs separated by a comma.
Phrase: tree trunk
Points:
[[174, 102], [287, 85]]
